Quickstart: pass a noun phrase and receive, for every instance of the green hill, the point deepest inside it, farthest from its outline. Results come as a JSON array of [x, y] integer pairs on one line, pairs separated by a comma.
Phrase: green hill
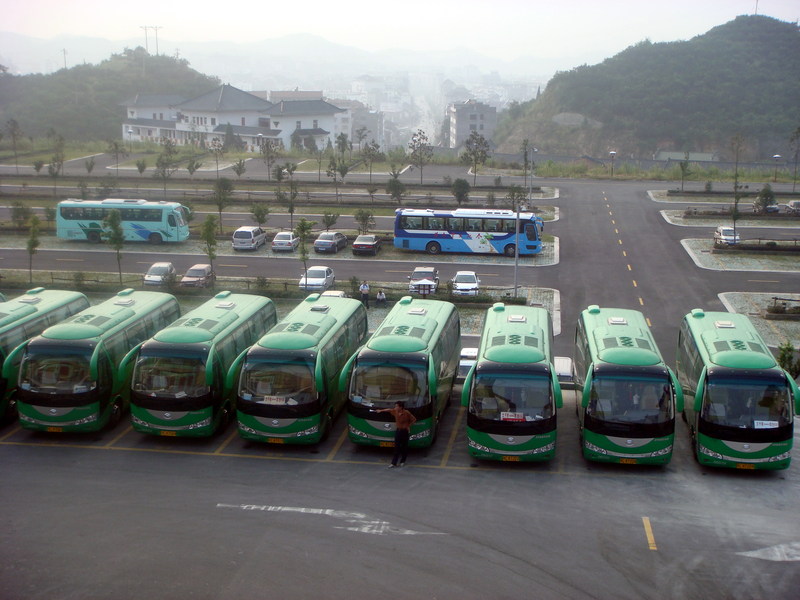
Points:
[[739, 78], [84, 102]]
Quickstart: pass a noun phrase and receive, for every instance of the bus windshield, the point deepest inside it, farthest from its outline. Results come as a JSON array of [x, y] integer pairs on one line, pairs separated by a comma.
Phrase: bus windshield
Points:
[[629, 399], [171, 376], [508, 397], [747, 403], [380, 385], [279, 383], [55, 370]]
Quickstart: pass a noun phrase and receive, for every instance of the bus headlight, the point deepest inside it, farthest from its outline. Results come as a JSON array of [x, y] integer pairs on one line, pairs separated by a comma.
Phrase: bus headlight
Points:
[[707, 452], [357, 432], [204, 423], [593, 448], [422, 434], [478, 447], [309, 431], [662, 452], [247, 429], [90, 419], [779, 457]]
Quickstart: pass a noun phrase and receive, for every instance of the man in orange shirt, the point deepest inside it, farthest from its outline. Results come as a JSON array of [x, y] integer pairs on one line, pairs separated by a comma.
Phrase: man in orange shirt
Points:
[[403, 421]]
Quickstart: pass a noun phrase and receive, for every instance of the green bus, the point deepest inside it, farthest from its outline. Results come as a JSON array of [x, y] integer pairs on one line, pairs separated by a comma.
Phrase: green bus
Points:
[[22, 318], [739, 406], [288, 381], [628, 395], [70, 378], [412, 357], [512, 391], [178, 386]]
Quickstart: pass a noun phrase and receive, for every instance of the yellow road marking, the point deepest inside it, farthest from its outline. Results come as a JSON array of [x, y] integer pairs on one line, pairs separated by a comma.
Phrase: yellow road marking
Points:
[[226, 443], [451, 441], [648, 530], [337, 446]]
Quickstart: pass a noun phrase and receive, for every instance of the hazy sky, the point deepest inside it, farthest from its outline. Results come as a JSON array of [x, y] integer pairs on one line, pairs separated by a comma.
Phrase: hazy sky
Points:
[[586, 30]]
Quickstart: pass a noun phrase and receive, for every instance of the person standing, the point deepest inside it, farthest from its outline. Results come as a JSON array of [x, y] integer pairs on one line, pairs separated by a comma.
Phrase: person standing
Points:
[[403, 420], [364, 289]]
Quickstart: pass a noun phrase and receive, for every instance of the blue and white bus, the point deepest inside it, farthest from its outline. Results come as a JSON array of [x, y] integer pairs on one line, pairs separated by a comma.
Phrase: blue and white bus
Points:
[[484, 231], [141, 220]]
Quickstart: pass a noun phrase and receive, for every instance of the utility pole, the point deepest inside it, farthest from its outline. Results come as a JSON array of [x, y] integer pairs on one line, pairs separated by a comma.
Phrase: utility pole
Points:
[[156, 28], [146, 44], [64, 51]]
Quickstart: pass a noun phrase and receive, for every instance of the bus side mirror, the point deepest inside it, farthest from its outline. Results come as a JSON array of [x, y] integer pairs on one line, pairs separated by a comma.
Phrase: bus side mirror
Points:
[[678, 391], [466, 387], [232, 376], [698, 395], [795, 393], [558, 396], [11, 365], [587, 386], [344, 376], [125, 370]]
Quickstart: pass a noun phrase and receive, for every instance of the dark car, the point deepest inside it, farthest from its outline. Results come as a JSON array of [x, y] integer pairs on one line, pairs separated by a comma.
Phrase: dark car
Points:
[[366, 244], [199, 276], [330, 241]]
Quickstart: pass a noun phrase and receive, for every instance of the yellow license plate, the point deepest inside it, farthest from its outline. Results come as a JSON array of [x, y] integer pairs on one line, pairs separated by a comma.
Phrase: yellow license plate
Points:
[[167, 433], [387, 444], [275, 440], [627, 461], [511, 459], [745, 466], [55, 429]]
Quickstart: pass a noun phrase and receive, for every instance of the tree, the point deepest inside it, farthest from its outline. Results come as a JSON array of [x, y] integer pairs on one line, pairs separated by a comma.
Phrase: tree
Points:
[[15, 133], [786, 359], [685, 172], [290, 168], [303, 231], [794, 144], [218, 150], [765, 198], [223, 188], [737, 144], [342, 144], [56, 162], [38, 165], [260, 213], [329, 220], [524, 148], [239, 167], [270, 151], [113, 234], [278, 172], [192, 166], [208, 235], [394, 187], [364, 219], [33, 244], [421, 151], [20, 213], [117, 148], [371, 154], [372, 190], [361, 135], [515, 197], [141, 165], [460, 190], [319, 155], [476, 153], [333, 172], [89, 164], [166, 162]]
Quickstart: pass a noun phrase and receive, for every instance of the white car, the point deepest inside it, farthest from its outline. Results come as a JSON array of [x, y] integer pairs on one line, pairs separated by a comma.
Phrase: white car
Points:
[[466, 283], [248, 238], [465, 362], [726, 236], [317, 279], [424, 281], [160, 273]]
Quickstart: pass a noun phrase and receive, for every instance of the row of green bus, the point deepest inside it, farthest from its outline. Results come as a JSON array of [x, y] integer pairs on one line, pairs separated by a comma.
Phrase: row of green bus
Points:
[[68, 366]]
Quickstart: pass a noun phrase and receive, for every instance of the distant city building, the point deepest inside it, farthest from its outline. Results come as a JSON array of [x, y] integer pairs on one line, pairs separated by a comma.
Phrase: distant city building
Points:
[[310, 121], [469, 116]]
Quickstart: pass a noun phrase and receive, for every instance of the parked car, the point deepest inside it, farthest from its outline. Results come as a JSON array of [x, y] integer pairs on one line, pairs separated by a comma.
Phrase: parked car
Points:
[[466, 283], [330, 241], [285, 241], [726, 236], [563, 367], [366, 244], [199, 276], [423, 280], [465, 362], [793, 206], [249, 238], [317, 279], [160, 273]]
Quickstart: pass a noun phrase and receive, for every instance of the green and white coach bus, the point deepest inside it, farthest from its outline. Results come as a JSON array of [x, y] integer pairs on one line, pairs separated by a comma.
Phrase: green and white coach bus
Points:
[[70, 378], [22, 318], [740, 403], [287, 382], [512, 391], [178, 386], [412, 357], [628, 395]]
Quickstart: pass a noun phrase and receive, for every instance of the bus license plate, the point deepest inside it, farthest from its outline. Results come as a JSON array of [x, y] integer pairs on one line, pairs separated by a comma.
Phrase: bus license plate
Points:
[[627, 461], [745, 466], [387, 444], [55, 429], [275, 440], [167, 433], [511, 459]]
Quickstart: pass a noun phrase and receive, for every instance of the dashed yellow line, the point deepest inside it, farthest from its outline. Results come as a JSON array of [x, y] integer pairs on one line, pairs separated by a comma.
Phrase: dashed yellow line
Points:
[[648, 531]]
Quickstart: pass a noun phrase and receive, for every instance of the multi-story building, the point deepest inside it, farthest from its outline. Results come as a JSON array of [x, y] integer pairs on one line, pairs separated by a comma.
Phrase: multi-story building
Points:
[[469, 116]]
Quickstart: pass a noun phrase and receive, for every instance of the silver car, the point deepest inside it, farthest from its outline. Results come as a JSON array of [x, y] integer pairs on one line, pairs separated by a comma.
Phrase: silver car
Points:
[[317, 279]]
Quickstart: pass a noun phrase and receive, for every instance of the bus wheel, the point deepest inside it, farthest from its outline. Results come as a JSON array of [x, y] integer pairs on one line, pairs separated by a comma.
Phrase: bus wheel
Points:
[[93, 237], [433, 248], [155, 239], [509, 250]]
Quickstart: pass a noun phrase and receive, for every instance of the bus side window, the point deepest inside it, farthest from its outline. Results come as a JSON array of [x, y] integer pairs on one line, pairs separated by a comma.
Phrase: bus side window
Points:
[[171, 220]]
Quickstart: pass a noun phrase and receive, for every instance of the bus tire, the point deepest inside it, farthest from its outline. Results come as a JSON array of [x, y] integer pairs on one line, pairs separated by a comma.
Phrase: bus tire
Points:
[[509, 250], [155, 239], [433, 248], [93, 237]]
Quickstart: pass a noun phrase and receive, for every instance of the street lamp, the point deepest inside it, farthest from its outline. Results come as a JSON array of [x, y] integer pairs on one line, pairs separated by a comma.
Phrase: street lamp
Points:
[[612, 154], [776, 158], [130, 143]]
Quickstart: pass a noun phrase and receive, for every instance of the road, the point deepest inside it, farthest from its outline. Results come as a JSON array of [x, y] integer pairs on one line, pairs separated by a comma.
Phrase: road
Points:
[[121, 515]]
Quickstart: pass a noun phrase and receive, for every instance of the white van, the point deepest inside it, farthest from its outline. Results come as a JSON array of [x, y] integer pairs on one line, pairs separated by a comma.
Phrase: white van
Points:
[[249, 238]]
